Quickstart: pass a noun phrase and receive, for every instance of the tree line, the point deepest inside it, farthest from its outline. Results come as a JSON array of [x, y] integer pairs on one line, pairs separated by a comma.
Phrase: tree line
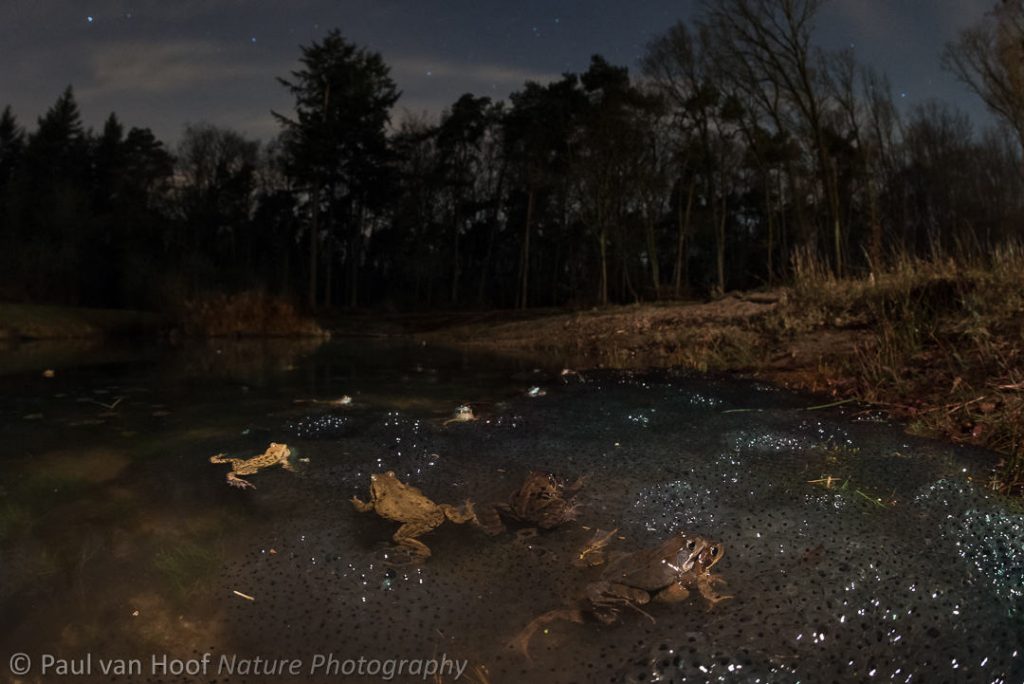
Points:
[[737, 145]]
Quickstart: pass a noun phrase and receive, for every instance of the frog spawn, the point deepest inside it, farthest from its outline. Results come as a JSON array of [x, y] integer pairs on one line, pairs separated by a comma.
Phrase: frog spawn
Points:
[[825, 580]]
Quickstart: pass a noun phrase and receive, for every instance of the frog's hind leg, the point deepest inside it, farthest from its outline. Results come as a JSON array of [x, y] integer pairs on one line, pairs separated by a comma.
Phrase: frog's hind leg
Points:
[[488, 519], [705, 584], [673, 593], [405, 537], [466, 514], [608, 598], [235, 481], [521, 642], [220, 458]]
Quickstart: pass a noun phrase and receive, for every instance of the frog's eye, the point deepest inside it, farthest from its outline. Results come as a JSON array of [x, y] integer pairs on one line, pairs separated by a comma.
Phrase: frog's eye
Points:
[[690, 544], [714, 551]]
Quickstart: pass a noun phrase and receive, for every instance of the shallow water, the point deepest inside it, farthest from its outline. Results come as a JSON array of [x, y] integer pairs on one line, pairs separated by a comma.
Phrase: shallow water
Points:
[[118, 538]]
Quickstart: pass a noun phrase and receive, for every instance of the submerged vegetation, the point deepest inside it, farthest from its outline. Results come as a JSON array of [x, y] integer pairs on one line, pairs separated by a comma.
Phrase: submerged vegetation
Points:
[[13, 519], [186, 566]]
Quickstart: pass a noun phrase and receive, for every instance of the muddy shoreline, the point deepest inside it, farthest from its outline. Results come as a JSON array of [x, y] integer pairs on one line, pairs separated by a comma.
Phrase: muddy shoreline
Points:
[[937, 349]]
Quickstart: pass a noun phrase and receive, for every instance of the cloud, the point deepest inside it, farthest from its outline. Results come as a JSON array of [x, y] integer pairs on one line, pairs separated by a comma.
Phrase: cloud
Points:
[[898, 23], [165, 68], [499, 75]]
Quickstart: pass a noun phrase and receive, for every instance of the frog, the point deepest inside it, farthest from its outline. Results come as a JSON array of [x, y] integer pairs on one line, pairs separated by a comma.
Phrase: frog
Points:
[[663, 573], [463, 414], [276, 454], [394, 500], [543, 502]]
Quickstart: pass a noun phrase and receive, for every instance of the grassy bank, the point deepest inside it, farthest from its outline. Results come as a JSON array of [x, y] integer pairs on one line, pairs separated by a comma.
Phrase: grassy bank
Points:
[[245, 314], [40, 322], [943, 349], [937, 343]]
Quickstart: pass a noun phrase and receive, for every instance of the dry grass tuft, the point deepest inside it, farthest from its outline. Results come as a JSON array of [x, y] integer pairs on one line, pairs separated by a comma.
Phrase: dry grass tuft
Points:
[[945, 345], [244, 314]]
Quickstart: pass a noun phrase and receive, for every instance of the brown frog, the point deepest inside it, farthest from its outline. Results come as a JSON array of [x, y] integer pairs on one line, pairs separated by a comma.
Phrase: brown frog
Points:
[[463, 414], [663, 573], [543, 501], [402, 503], [276, 454]]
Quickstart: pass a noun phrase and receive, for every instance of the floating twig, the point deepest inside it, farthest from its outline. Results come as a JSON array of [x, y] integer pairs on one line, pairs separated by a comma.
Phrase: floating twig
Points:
[[830, 405], [245, 596], [109, 407], [877, 502]]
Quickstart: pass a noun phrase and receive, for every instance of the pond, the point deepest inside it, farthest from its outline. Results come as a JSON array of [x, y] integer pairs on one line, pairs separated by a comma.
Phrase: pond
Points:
[[851, 551]]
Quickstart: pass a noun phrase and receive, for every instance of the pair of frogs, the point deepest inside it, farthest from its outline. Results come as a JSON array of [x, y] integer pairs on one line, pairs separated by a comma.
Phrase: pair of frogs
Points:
[[664, 573], [542, 502]]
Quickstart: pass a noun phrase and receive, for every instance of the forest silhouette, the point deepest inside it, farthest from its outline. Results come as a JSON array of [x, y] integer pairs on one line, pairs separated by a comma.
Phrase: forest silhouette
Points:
[[737, 146]]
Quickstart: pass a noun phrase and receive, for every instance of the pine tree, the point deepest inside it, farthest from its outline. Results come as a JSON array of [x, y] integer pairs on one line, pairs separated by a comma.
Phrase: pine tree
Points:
[[337, 145]]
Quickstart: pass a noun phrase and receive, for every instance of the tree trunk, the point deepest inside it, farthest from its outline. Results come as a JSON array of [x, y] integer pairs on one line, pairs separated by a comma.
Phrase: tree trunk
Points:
[[314, 229], [652, 255], [720, 247], [524, 258], [355, 252], [455, 257], [805, 234], [328, 275], [602, 239], [627, 281], [682, 244], [783, 233], [771, 226], [875, 246], [837, 226], [481, 292], [826, 173], [286, 285], [486, 266]]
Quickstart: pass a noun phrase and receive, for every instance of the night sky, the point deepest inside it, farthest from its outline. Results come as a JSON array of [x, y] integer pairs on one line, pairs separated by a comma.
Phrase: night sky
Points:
[[163, 63]]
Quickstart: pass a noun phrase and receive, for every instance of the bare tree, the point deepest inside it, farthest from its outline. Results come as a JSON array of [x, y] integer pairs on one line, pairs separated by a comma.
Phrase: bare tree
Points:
[[770, 43], [881, 152], [677, 66], [989, 59]]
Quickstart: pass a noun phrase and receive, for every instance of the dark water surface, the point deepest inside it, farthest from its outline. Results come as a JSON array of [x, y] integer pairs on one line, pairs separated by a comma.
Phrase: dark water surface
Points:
[[119, 539]]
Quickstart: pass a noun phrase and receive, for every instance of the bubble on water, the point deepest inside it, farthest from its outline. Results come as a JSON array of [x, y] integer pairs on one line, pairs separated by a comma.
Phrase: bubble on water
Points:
[[767, 442]]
